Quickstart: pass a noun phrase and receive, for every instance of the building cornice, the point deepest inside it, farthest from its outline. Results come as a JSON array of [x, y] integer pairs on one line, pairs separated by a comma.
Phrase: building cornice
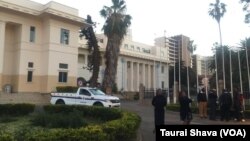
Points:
[[138, 55], [39, 10]]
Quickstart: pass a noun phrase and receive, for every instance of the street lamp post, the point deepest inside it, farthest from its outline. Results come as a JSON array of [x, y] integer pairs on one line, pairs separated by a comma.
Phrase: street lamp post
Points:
[[241, 88], [206, 80], [216, 72], [197, 77], [179, 56], [248, 75], [231, 73], [188, 63]]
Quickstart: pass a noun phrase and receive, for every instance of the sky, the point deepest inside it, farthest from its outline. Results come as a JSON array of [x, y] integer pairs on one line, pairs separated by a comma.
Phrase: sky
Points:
[[150, 18]]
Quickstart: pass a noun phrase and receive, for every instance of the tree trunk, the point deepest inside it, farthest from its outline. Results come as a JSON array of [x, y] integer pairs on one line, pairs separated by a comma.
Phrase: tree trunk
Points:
[[96, 60], [111, 55]]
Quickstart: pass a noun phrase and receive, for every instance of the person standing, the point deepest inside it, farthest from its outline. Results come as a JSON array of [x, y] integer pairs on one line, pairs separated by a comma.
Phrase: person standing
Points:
[[202, 103], [159, 102], [238, 105], [225, 101], [212, 99], [185, 110]]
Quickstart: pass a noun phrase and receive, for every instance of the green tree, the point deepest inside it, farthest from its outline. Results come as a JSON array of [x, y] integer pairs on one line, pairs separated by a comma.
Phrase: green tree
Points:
[[217, 11], [234, 63], [115, 28], [184, 82], [191, 46], [245, 8], [94, 57]]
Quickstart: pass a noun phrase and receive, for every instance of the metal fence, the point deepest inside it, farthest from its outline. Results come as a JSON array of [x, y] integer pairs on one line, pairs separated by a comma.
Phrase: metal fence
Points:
[[149, 93]]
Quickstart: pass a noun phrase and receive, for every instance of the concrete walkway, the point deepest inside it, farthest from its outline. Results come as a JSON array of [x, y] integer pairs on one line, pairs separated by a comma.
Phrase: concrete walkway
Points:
[[171, 118]]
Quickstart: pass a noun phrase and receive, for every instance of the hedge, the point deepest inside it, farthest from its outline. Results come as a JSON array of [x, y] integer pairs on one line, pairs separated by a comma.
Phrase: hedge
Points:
[[119, 126], [66, 89], [16, 109], [105, 114], [123, 129]]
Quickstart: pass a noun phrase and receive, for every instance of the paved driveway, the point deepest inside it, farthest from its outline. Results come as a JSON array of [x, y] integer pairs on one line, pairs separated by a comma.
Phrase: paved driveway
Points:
[[171, 118]]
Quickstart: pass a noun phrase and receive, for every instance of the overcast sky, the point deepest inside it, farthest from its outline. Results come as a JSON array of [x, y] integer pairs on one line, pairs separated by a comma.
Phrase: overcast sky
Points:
[[188, 17]]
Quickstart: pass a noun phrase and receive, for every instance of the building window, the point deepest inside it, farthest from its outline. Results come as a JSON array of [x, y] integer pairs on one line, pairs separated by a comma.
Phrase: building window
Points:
[[63, 73], [63, 66], [162, 69], [162, 84], [132, 47], [126, 46], [32, 33], [162, 53], [138, 49], [63, 77], [29, 76], [64, 36], [81, 59], [30, 64]]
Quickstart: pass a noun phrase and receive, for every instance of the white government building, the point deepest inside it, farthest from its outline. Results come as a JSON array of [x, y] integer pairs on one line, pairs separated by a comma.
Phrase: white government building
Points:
[[40, 49]]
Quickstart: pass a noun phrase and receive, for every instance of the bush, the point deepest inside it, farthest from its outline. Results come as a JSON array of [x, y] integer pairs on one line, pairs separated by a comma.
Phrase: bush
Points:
[[7, 118], [59, 120], [5, 136], [136, 96], [123, 129], [16, 109], [102, 113], [66, 89], [176, 108]]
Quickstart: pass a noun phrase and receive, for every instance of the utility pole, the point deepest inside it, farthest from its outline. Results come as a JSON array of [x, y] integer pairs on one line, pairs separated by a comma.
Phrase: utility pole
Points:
[[174, 91], [179, 53]]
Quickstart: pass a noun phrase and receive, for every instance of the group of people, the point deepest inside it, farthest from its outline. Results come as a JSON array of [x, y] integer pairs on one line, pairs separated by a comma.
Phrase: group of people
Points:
[[225, 102], [159, 102]]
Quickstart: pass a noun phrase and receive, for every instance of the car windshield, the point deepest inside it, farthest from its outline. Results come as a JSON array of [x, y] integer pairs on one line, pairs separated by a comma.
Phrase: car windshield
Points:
[[96, 92]]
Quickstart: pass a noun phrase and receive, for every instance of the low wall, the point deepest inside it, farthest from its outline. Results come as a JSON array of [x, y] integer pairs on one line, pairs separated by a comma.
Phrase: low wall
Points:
[[33, 98]]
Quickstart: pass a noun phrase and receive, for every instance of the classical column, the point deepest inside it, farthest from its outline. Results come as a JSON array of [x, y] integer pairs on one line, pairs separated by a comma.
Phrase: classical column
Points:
[[2, 43], [143, 75], [132, 76], [138, 78], [125, 80], [149, 76], [153, 77]]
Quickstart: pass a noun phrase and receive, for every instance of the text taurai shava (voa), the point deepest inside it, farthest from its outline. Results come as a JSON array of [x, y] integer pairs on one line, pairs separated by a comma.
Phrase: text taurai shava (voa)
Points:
[[186, 132]]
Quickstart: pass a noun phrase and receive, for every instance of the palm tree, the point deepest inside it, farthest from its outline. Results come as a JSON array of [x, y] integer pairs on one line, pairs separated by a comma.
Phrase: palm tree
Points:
[[217, 11], [245, 8], [93, 47], [115, 28]]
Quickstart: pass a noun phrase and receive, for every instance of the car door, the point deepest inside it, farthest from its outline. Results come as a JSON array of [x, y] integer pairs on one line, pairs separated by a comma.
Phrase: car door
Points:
[[84, 97]]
